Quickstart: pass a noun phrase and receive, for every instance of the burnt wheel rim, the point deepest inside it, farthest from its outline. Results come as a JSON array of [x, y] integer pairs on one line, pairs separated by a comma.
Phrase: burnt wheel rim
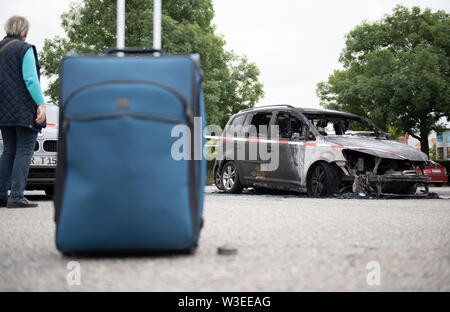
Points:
[[318, 180], [229, 177]]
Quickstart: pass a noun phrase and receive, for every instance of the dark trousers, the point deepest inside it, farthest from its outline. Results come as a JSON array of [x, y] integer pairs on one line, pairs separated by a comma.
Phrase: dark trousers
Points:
[[18, 148]]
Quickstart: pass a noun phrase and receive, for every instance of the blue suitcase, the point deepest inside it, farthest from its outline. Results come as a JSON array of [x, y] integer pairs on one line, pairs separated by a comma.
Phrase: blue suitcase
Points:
[[118, 188]]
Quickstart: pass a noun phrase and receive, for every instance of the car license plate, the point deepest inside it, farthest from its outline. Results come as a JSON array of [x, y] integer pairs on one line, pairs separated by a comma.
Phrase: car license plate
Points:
[[44, 161], [436, 170]]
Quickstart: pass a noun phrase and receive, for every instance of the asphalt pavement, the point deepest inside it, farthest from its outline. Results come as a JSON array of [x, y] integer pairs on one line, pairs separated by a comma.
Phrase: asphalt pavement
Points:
[[284, 243]]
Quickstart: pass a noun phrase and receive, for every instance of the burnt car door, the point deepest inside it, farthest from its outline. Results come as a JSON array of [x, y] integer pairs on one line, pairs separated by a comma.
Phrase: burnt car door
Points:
[[256, 132], [291, 151], [234, 147]]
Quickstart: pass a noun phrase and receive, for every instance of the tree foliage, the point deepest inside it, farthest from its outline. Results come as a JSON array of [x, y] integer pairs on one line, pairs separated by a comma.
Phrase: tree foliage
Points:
[[395, 72], [230, 81]]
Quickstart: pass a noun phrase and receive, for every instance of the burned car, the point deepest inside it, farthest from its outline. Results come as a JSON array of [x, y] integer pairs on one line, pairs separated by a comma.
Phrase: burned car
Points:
[[321, 152]]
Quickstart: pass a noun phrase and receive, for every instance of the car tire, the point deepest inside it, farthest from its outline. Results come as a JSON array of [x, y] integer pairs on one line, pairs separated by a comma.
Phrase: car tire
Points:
[[323, 180], [230, 178]]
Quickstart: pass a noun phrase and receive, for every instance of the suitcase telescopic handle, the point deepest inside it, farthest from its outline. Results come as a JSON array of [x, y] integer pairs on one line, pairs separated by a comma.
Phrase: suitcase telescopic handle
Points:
[[120, 28], [135, 51]]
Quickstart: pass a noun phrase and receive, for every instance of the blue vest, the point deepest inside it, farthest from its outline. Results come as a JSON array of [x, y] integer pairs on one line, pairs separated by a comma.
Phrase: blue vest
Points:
[[17, 107]]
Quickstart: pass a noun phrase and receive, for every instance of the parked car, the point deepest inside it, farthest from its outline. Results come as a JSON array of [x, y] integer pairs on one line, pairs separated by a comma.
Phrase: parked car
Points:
[[321, 152], [436, 172], [42, 172]]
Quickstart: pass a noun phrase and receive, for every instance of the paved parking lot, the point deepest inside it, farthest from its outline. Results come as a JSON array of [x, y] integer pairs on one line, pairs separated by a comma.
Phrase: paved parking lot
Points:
[[284, 242]]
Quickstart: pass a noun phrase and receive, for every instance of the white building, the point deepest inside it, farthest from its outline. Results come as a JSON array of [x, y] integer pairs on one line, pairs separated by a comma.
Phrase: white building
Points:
[[443, 145]]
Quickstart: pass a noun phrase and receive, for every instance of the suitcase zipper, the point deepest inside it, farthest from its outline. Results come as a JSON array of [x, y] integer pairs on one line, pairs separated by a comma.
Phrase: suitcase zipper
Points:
[[67, 118]]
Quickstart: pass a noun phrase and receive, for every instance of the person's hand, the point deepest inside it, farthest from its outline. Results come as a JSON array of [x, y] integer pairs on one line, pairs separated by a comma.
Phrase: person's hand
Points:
[[40, 114]]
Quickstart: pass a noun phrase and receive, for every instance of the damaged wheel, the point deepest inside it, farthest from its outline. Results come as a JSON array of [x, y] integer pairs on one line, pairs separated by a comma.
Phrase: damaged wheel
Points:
[[230, 178], [323, 180]]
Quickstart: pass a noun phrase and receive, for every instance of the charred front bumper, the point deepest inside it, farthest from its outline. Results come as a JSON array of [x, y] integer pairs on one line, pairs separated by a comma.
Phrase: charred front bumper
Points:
[[370, 174], [404, 183]]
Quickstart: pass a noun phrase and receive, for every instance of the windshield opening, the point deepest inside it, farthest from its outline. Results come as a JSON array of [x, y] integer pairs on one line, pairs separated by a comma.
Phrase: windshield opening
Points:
[[343, 125]]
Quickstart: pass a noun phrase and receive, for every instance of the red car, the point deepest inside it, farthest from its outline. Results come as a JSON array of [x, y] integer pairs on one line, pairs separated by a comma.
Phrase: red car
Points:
[[436, 172]]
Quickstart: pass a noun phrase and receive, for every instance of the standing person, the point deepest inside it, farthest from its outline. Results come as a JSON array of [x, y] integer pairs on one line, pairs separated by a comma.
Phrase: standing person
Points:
[[22, 111]]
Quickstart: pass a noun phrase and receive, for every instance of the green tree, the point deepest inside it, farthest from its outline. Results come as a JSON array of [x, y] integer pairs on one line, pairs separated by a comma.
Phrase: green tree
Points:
[[433, 155], [230, 81], [395, 72]]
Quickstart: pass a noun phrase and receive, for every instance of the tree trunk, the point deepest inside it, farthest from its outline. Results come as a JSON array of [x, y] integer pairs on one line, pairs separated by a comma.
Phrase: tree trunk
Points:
[[424, 142]]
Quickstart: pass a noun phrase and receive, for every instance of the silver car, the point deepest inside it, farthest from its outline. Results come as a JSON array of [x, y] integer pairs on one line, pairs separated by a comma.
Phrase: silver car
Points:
[[43, 164]]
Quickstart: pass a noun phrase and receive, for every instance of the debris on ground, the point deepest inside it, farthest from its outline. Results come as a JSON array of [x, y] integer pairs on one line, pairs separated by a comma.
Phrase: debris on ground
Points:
[[227, 250]]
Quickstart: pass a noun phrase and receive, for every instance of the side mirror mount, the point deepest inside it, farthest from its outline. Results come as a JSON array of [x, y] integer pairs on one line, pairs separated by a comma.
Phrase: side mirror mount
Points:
[[310, 136], [296, 136]]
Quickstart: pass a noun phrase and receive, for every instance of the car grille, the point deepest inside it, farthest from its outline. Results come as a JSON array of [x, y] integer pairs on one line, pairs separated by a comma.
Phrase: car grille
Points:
[[42, 173], [36, 146], [50, 145]]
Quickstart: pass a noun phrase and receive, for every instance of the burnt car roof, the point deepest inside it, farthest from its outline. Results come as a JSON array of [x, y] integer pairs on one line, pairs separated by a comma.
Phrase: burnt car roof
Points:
[[315, 111], [302, 110]]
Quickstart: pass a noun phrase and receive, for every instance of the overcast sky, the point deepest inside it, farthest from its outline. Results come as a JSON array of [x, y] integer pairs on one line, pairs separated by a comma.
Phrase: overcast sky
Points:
[[294, 43]]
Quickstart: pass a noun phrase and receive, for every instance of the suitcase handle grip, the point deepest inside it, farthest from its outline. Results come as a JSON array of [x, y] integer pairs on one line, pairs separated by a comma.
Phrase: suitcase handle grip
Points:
[[135, 51]]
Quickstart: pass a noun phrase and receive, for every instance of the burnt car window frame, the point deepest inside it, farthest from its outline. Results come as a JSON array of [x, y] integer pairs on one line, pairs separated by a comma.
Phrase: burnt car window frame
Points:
[[303, 128], [231, 124], [310, 132], [249, 119]]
